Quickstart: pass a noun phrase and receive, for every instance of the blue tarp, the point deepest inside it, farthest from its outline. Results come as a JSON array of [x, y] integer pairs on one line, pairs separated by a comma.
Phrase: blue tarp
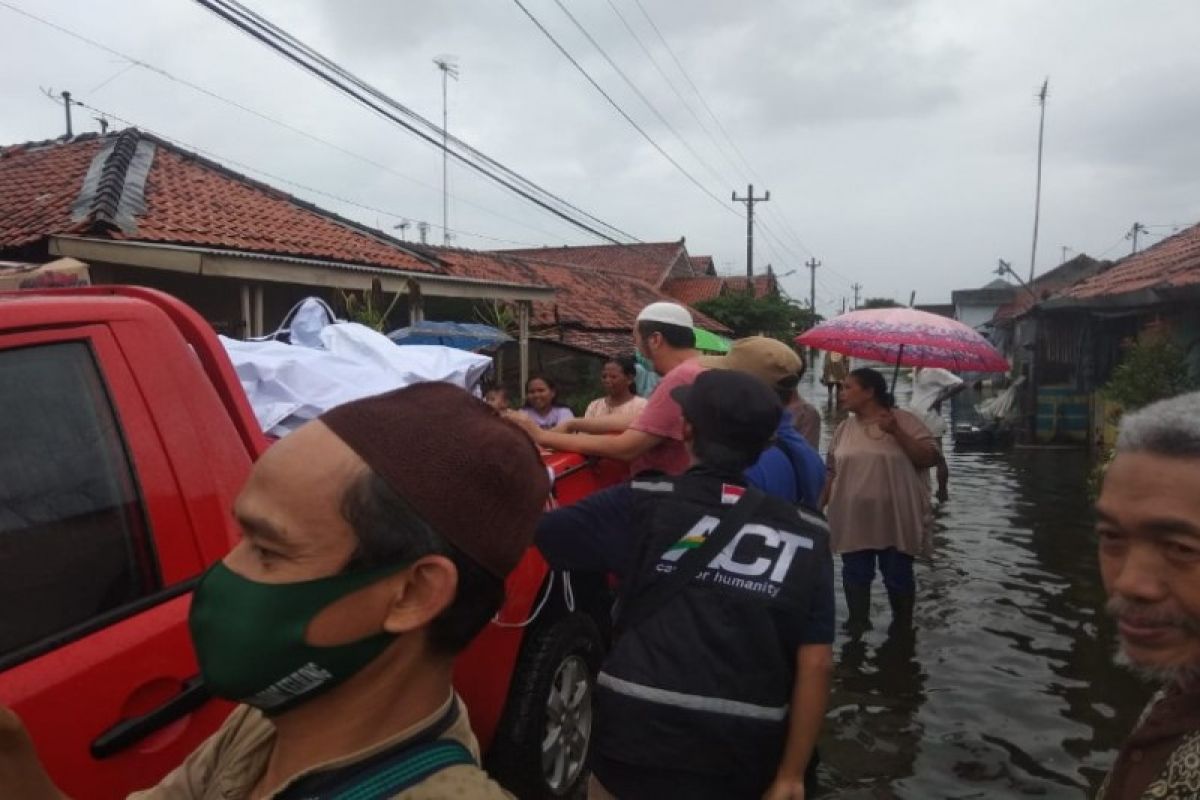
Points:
[[461, 335]]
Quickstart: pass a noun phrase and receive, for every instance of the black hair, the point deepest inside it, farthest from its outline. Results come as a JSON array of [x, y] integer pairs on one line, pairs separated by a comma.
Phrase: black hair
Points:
[[872, 379], [390, 531], [677, 336], [722, 456], [550, 383], [628, 366]]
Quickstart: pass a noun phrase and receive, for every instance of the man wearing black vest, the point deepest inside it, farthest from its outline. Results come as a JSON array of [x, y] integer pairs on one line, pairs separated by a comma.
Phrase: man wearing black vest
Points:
[[718, 678]]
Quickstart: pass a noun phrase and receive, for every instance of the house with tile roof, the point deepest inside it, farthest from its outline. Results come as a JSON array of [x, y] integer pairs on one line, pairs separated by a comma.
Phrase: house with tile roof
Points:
[[138, 209], [1076, 333], [666, 266]]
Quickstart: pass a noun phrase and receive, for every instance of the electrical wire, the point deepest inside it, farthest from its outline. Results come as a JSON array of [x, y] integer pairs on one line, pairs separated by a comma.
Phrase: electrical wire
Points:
[[618, 108], [321, 67], [675, 89], [301, 53], [704, 103], [645, 100], [159, 71]]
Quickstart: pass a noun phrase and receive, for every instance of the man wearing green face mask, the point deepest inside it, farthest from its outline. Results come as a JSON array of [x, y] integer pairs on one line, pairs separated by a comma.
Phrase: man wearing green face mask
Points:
[[376, 544]]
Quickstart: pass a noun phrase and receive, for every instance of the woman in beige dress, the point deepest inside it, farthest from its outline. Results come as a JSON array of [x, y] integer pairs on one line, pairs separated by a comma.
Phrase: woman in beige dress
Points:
[[877, 503]]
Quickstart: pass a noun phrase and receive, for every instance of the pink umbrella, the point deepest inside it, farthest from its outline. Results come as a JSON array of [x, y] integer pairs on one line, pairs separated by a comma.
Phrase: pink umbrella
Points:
[[906, 337]]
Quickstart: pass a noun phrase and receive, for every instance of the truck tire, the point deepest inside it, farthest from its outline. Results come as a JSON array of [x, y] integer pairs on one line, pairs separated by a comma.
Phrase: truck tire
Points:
[[542, 744]]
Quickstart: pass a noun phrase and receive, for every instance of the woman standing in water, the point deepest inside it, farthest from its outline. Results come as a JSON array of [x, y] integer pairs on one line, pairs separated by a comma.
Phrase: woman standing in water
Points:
[[877, 503]]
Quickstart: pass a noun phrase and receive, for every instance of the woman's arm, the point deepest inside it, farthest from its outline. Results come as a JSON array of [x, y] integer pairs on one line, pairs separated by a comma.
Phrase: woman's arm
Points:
[[921, 450]]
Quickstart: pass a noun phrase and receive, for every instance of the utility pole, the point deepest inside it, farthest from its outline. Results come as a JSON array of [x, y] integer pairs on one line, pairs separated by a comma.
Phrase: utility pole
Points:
[[857, 287], [66, 96], [1065, 250], [812, 265], [1037, 202], [843, 305], [1133, 234], [750, 200], [449, 70]]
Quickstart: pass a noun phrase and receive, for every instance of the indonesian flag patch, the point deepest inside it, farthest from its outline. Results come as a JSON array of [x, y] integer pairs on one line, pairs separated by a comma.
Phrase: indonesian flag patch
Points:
[[730, 494]]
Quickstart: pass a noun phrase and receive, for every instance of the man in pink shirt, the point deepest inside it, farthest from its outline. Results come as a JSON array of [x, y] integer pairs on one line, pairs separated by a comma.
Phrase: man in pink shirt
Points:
[[654, 441]]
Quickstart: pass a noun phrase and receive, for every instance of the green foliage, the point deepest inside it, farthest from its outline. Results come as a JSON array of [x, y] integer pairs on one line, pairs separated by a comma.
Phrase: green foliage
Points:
[[366, 308], [771, 315], [498, 314], [1152, 368], [879, 302]]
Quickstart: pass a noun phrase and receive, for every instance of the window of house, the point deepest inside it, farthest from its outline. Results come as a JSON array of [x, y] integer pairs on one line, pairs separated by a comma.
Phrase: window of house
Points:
[[74, 542]]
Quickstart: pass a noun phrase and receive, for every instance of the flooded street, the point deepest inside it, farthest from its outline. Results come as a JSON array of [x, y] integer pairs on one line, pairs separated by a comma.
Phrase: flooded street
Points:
[[1009, 689]]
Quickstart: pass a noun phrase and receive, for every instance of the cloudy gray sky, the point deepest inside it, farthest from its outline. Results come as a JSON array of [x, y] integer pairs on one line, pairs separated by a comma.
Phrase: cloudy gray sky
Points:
[[897, 137]]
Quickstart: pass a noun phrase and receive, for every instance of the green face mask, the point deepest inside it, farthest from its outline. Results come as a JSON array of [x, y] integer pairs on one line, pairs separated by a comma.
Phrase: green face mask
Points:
[[249, 637]]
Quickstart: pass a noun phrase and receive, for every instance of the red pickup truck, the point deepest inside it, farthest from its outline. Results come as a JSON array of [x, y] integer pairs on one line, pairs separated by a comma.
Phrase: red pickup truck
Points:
[[125, 438]]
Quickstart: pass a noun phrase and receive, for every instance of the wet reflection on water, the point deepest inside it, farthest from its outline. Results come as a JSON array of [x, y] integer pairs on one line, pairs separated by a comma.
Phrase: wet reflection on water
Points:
[[1007, 688]]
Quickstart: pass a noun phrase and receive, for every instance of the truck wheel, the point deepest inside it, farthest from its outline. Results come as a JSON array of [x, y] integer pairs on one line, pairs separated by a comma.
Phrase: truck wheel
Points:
[[542, 744]]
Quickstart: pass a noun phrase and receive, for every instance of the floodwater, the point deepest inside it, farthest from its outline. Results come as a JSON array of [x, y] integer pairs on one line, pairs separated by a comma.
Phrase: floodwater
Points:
[[1008, 688]]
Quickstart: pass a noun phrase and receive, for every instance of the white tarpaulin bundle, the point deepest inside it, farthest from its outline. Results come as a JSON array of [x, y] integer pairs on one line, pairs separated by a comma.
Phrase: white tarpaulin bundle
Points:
[[1001, 407], [289, 385]]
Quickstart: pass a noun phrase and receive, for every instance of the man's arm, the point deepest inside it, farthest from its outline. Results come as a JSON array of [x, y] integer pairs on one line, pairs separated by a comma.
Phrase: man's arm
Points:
[[625, 446], [21, 773], [810, 698], [593, 534], [613, 423]]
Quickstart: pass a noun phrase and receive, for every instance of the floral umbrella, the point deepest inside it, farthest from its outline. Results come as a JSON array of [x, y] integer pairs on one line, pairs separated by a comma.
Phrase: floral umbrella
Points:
[[906, 337]]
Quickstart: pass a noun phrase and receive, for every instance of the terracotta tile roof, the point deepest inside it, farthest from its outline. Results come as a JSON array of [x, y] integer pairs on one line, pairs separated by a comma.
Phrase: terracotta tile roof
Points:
[[189, 200], [694, 290], [697, 290], [763, 285], [1173, 263], [703, 265], [585, 299], [38, 184], [650, 262], [1046, 284], [602, 343]]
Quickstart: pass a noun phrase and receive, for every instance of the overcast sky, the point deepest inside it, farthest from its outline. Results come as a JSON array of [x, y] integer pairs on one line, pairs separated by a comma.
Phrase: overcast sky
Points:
[[897, 138]]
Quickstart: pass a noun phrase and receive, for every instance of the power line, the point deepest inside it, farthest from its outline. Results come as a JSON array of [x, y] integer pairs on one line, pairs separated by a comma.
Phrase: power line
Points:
[[253, 112], [645, 100], [675, 89], [683, 71], [279, 178], [615, 105], [318, 65], [300, 53]]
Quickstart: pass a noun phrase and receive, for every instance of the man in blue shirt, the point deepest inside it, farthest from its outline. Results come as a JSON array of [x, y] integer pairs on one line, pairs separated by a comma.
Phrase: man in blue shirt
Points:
[[790, 468]]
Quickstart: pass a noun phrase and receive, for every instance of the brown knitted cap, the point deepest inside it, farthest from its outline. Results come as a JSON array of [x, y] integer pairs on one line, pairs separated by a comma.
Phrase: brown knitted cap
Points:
[[474, 477]]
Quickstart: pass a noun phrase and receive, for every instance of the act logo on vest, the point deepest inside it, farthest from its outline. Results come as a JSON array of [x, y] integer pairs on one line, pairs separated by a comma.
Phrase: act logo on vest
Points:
[[757, 559]]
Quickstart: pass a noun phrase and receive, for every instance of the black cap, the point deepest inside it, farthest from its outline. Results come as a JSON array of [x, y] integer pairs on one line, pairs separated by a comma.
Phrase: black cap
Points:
[[731, 408]]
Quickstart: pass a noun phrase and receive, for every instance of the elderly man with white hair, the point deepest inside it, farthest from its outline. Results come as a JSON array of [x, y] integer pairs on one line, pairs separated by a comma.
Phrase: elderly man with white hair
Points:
[[1148, 524]]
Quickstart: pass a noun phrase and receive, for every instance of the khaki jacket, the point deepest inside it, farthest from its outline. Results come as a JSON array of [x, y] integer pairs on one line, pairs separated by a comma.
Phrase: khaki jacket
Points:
[[230, 762]]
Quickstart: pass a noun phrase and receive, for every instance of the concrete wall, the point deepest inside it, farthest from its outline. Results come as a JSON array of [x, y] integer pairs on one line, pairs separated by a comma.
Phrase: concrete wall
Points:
[[975, 316]]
